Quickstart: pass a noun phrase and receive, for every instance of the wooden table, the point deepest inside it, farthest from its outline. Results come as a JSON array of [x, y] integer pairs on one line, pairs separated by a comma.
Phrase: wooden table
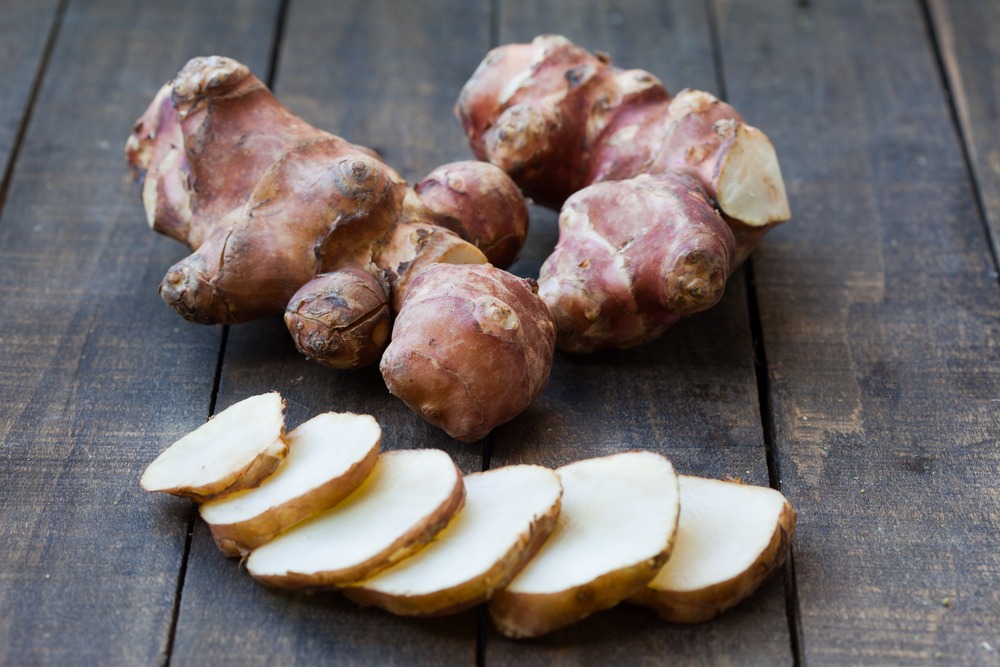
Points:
[[853, 363]]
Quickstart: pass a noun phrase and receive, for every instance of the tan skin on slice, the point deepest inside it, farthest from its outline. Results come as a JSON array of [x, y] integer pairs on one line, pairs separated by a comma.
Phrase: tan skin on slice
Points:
[[509, 512], [329, 456], [730, 539], [405, 501], [615, 531], [236, 449]]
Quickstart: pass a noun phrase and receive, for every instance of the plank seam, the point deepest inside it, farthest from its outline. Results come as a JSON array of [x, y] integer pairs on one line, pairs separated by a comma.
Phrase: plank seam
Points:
[[761, 373], [963, 131], [36, 85]]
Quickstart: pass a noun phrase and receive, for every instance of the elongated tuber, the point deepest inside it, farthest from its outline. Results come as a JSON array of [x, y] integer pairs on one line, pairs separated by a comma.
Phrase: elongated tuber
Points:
[[563, 121], [282, 217]]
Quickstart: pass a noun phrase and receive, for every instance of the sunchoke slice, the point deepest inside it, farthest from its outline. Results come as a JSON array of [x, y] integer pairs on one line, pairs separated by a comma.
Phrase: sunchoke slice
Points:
[[731, 537], [509, 512], [236, 449], [405, 501], [614, 532], [329, 456]]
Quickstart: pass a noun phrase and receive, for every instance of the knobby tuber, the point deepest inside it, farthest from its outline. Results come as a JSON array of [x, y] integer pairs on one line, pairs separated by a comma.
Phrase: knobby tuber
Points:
[[458, 326], [572, 129], [282, 217], [405, 531]]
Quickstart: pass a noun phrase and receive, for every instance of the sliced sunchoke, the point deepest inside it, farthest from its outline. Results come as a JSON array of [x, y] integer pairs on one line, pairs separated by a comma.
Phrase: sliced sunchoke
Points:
[[471, 348], [614, 532], [730, 538], [407, 499], [329, 456], [558, 119], [236, 449], [509, 512]]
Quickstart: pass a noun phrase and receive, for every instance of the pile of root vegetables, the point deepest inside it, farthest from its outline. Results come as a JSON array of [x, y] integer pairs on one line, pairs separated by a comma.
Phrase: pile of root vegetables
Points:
[[404, 530], [661, 199]]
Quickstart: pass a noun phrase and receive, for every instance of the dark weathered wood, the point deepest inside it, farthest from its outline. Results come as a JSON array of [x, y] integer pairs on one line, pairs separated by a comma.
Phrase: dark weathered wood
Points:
[[98, 375], [25, 26], [969, 45], [879, 311], [691, 395], [382, 74]]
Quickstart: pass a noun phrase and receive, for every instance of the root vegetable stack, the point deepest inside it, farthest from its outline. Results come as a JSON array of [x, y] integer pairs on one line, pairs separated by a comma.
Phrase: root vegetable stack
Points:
[[404, 531], [662, 197], [285, 218]]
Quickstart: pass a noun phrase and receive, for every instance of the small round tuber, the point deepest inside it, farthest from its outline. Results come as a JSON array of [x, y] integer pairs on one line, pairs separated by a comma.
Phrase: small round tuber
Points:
[[340, 319], [471, 348]]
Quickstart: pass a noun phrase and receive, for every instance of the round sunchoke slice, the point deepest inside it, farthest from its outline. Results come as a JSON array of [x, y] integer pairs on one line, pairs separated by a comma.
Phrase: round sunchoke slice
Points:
[[731, 537], [471, 348], [236, 449], [329, 457], [407, 499], [509, 512], [340, 319], [615, 531]]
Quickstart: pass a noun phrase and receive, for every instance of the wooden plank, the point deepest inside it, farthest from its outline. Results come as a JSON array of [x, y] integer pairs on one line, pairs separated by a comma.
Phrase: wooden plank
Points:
[[691, 395], [98, 374], [25, 26], [880, 317], [382, 74], [968, 37]]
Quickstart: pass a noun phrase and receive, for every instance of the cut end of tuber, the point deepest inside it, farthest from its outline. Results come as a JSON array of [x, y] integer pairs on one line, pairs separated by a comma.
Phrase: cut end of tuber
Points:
[[749, 186]]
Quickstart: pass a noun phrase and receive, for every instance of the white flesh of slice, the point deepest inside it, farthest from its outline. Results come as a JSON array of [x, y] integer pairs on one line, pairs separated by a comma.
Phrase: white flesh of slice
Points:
[[329, 456], [406, 500], [233, 450], [508, 514], [730, 538], [615, 530]]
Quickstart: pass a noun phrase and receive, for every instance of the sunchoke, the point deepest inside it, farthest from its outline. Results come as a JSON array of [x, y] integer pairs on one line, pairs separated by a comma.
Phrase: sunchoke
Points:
[[471, 348], [561, 120], [284, 217]]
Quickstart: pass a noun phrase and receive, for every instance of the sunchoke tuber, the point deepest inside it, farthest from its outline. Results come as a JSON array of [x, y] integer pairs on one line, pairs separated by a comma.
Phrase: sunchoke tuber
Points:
[[284, 217], [561, 120], [268, 202], [471, 348]]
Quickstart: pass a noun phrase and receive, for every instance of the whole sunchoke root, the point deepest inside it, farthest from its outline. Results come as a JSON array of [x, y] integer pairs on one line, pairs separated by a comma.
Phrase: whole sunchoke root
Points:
[[471, 348], [561, 120], [282, 217]]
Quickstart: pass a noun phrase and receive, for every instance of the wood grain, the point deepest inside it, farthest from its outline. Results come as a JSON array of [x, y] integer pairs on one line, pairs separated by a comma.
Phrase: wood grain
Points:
[[97, 374], [25, 27], [880, 319]]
